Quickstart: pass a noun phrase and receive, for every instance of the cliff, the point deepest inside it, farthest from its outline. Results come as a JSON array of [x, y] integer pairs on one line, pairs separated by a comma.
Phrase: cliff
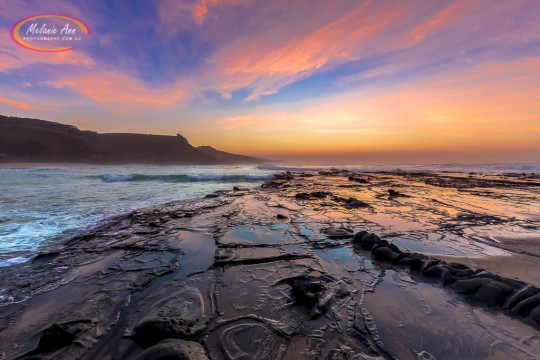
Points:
[[33, 140]]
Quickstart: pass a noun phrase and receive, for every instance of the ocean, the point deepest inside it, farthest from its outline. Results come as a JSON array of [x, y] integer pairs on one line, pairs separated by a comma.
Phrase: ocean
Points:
[[43, 206]]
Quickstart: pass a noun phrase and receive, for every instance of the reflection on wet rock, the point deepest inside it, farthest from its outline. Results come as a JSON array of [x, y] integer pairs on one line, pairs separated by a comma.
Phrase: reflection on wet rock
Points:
[[482, 287], [174, 349], [329, 265], [338, 232]]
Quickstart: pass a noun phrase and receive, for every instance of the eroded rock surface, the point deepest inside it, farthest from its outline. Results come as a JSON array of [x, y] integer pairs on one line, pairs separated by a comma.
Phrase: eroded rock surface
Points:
[[317, 265]]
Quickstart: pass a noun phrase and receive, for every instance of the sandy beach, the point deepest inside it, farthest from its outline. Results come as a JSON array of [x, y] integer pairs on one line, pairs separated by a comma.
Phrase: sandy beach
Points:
[[312, 265]]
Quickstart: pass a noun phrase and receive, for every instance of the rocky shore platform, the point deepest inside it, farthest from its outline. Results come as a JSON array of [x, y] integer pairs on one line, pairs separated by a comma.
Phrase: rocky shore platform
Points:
[[313, 265]]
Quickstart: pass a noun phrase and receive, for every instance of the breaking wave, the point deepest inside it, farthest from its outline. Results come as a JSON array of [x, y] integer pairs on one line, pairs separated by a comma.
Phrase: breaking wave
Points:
[[181, 178]]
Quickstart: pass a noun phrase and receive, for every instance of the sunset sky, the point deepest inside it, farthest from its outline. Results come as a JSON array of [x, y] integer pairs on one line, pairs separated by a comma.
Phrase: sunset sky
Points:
[[358, 81]]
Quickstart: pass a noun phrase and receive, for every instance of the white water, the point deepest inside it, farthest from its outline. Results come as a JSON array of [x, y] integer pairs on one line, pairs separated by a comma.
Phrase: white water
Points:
[[43, 206]]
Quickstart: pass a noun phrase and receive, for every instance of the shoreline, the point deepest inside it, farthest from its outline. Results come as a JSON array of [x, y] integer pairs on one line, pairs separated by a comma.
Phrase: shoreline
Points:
[[276, 263]]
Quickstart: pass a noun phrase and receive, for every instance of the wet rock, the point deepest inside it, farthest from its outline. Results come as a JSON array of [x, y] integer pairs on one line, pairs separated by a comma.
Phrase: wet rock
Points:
[[179, 316], [311, 196], [384, 253], [462, 273], [284, 176], [341, 290], [174, 349], [358, 238], [392, 194], [438, 271], [516, 284], [271, 184], [488, 275], [302, 196], [335, 172], [520, 295], [338, 232], [413, 261], [534, 317], [306, 290], [379, 243], [58, 336], [428, 263], [251, 341], [353, 203], [424, 355], [458, 266], [45, 257], [467, 286], [526, 306], [493, 293], [344, 353], [395, 249], [358, 180]]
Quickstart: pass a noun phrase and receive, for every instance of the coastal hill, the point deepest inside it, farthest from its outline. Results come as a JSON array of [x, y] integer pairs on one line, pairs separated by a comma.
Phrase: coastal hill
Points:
[[33, 140]]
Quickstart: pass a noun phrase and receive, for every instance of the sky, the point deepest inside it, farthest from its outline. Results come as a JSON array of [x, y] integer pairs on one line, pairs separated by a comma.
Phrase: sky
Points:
[[401, 81]]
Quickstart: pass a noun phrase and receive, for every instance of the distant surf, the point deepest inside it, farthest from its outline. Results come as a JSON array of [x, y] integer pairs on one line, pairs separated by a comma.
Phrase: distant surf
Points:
[[462, 168]]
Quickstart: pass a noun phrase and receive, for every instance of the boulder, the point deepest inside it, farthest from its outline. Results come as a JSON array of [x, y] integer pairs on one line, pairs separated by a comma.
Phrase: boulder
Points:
[[493, 293], [524, 307], [467, 286], [520, 295], [386, 254]]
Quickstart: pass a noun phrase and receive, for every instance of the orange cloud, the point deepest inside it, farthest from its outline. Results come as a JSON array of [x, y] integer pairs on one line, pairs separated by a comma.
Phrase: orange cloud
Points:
[[494, 106], [199, 10], [447, 15], [19, 104], [115, 88], [266, 67]]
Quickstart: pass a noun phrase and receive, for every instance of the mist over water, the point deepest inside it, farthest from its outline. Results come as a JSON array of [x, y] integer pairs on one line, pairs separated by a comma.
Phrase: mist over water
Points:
[[43, 206]]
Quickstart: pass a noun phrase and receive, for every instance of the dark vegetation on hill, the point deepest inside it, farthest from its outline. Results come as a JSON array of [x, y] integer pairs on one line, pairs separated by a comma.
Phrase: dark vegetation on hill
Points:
[[33, 140]]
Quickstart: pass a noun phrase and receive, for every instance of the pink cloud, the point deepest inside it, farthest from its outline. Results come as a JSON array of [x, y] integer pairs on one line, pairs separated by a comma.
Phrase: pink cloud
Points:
[[486, 107], [441, 19], [120, 89], [19, 104], [200, 9], [265, 67]]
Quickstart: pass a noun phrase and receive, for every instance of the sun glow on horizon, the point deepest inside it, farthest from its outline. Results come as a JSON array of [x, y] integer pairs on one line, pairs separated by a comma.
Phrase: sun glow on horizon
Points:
[[332, 79]]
